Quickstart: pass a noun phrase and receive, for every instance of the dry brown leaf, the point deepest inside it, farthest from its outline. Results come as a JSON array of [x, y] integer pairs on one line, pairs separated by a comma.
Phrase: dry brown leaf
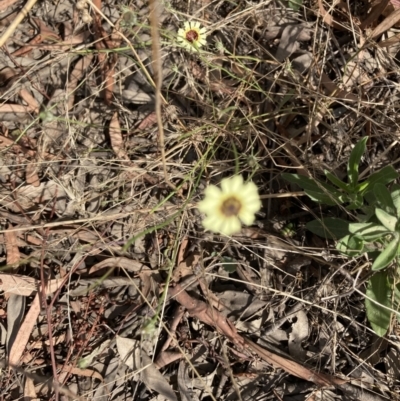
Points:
[[386, 24], [293, 367], [44, 33], [148, 121], [14, 108], [328, 19], [187, 267], [39, 343], [117, 142], [13, 255], [206, 314], [4, 4], [182, 250], [184, 383], [75, 76], [49, 193], [109, 77], [290, 38], [25, 285], [136, 359], [334, 90], [31, 175], [125, 263], [7, 142], [33, 104], [394, 40], [167, 357], [374, 14], [24, 332], [29, 390], [83, 372]]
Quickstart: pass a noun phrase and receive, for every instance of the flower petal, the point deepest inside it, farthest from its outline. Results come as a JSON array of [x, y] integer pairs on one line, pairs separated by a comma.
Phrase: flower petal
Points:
[[212, 191], [232, 188], [230, 226], [212, 223], [209, 206], [230, 185], [253, 205], [247, 217]]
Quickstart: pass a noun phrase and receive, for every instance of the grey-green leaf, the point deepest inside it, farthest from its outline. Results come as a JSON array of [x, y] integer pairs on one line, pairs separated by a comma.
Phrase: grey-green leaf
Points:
[[295, 4], [384, 198], [354, 161], [384, 176], [331, 227], [395, 193], [368, 231], [387, 255], [388, 220], [350, 245], [336, 181], [379, 291]]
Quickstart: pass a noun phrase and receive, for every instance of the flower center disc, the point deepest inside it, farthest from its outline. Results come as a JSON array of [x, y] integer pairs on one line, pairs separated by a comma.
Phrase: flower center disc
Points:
[[231, 207], [192, 36]]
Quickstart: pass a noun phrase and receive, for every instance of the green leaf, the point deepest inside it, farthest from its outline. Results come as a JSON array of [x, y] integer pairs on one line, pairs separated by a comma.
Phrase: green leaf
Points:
[[336, 181], [384, 176], [322, 197], [396, 197], [354, 161], [387, 255], [384, 198], [229, 264], [368, 231], [386, 219], [350, 245], [317, 191], [295, 4], [331, 228], [379, 290], [396, 306], [356, 202]]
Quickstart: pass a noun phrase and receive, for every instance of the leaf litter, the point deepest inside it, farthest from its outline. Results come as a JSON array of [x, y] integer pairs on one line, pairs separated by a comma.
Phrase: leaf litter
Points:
[[90, 226]]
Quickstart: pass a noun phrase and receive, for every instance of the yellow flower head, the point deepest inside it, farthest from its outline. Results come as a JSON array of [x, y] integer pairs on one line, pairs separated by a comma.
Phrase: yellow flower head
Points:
[[192, 36], [227, 208]]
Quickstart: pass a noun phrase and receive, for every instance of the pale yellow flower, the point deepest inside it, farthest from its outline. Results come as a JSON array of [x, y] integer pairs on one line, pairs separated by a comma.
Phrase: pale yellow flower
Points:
[[227, 208], [192, 36]]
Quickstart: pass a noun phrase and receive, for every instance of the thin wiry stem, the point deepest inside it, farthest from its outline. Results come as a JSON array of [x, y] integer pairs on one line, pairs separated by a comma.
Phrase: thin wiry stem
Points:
[[157, 69]]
